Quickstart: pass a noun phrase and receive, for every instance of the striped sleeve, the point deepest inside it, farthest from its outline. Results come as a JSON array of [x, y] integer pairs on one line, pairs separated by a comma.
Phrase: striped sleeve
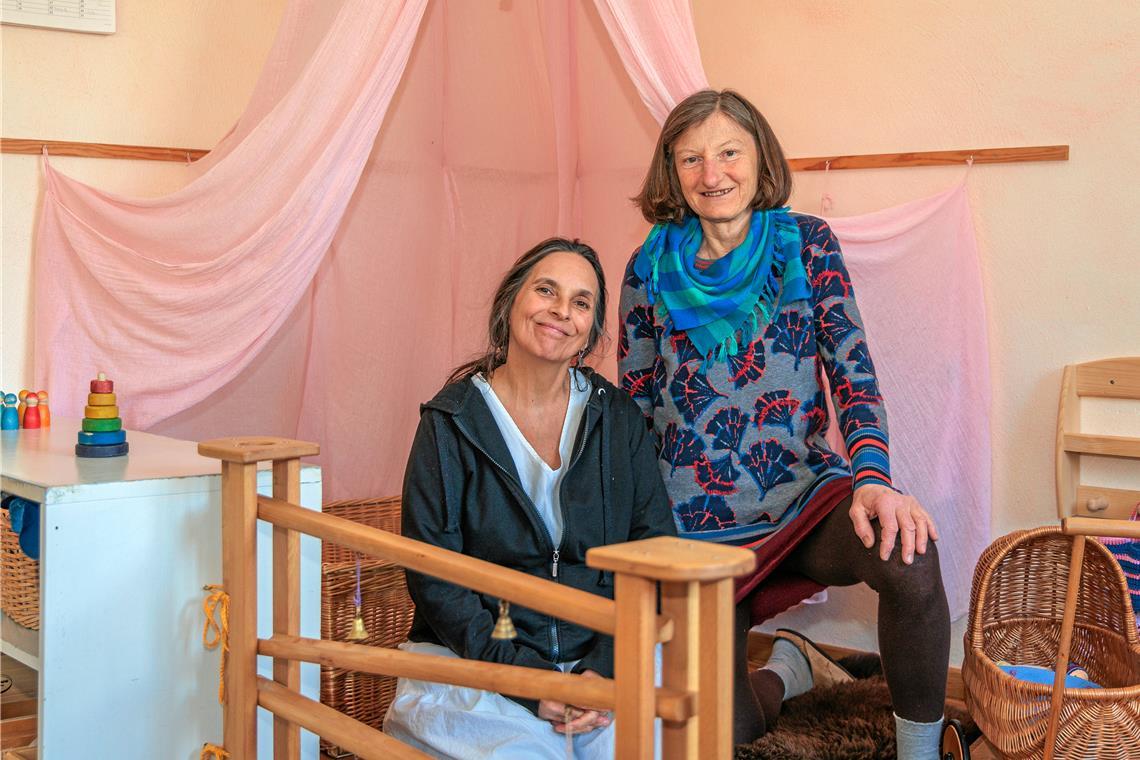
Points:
[[846, 358]]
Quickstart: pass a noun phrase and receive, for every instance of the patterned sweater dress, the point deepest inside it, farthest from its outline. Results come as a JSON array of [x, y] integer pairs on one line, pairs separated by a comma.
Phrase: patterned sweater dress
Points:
[[741, 440]]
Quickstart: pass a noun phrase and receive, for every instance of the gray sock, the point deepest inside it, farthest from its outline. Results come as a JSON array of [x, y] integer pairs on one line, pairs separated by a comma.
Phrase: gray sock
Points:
[[791, 666], [918, 741]]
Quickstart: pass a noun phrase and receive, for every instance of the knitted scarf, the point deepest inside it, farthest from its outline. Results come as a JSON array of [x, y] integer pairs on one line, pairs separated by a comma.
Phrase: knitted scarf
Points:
[[735, 293]]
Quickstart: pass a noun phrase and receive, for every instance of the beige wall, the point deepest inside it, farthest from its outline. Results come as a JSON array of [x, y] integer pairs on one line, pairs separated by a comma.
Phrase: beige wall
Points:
[[1059, 241], [174, 74]]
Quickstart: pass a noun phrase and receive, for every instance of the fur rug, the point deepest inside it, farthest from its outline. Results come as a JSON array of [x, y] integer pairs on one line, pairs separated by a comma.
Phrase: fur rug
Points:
[[851, 721]]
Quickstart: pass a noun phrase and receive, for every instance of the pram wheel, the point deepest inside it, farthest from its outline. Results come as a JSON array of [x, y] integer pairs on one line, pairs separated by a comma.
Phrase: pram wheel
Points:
[[954, 746]]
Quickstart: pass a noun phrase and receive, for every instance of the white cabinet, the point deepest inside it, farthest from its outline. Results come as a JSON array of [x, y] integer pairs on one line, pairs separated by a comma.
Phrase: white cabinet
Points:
[[126, 545]]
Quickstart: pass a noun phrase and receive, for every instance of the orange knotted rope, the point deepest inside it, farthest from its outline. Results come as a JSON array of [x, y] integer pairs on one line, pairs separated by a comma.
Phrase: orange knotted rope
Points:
[[217, 631], [213, 752]]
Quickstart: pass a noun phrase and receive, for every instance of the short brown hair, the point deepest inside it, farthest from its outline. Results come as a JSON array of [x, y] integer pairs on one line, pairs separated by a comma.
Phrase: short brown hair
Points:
[[661, 200], [499, 321]]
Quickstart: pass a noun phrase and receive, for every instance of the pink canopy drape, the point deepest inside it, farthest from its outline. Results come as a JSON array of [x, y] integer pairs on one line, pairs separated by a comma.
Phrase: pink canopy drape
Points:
[[334, 256]]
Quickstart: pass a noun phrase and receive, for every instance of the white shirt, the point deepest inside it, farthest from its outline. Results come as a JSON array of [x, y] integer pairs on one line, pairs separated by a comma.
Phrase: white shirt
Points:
[[538, 480]]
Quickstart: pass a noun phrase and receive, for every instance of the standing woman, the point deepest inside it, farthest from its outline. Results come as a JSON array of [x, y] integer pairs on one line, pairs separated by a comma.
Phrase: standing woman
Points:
[[734, 314], [526, 458]]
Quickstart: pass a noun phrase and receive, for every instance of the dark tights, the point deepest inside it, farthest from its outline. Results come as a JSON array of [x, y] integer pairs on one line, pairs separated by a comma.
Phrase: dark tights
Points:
[[914, 624]]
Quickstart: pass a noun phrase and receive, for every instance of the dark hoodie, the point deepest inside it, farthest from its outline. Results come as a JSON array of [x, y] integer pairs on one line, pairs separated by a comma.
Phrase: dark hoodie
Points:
[[462, 492]]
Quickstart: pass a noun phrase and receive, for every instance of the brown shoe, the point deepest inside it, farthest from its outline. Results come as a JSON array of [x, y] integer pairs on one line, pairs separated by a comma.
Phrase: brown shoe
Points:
[[824, 670]]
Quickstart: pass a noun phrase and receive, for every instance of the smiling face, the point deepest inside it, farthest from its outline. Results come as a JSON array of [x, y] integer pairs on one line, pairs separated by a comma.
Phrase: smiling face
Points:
[[553, 313], [717, 168]]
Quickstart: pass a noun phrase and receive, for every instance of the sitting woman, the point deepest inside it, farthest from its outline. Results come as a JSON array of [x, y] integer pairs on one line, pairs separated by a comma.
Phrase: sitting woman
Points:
[[526, 458]]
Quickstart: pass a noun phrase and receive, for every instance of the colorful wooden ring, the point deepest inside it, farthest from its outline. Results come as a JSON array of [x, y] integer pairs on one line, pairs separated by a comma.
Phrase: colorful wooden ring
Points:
[[100, 412], [116, 450], [102, 386], [99, 426], [106, 438], [101, 399]]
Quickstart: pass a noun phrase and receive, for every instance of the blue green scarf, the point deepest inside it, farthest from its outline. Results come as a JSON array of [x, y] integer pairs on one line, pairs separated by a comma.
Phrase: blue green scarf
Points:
[[736, 293]]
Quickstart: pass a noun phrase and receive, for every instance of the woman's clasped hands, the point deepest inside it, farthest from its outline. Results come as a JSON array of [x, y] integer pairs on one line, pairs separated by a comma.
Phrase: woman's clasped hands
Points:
[[571, 718]]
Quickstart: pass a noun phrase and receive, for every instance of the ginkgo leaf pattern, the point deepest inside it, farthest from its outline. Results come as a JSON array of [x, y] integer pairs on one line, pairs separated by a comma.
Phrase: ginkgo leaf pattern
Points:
[[790, 334], [680, 447], [692, 393], [684, 348], [769, 464], [820, 459], [645, 384], [829, 276], [747, 366], [716, 476], [850, 392], [702, 513], [623, 344], [860, 358], [644, 324], [777, 408], [835, 326], [727, 428], [815, 413]]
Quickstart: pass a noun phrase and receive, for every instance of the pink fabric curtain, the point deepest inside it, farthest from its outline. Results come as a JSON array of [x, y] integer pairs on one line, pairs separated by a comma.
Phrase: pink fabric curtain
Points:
[[173, 297], [658, 45], [916, 274]]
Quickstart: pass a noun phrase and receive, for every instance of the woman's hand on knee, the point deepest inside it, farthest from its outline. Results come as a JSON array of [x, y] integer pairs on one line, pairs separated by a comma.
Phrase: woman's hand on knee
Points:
[[571, 718], [900, 517]]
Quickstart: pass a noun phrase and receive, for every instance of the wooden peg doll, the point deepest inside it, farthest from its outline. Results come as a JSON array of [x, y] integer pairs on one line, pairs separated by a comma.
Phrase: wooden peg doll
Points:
[[23, 406], [45, 412], [11, 418], [32, 413]]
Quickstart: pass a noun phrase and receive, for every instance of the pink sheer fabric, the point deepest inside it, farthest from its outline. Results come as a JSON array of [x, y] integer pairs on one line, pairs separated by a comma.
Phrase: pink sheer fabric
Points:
[[658, 45], [916, 273], [173, 297]]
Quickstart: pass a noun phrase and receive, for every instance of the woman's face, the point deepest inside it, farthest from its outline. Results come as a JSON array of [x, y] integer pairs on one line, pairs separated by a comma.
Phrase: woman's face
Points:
[[717, 166], [553, 312]]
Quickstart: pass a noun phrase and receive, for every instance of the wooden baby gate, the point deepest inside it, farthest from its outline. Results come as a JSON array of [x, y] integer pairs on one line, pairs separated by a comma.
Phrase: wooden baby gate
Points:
[[694, 627]]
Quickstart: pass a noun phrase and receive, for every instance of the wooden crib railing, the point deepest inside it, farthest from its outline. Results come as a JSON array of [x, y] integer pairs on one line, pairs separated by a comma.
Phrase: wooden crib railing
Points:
[[694, 627]]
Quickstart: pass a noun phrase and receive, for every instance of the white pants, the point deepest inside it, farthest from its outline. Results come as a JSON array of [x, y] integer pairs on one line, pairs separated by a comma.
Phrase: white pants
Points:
[[460, 723]]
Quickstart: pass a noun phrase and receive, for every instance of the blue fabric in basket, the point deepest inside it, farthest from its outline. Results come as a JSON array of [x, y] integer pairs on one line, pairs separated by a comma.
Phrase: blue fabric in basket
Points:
[[25, 518]]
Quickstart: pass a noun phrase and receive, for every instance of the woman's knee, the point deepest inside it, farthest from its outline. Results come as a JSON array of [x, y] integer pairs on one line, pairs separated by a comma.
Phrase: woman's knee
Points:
[[917, 583]]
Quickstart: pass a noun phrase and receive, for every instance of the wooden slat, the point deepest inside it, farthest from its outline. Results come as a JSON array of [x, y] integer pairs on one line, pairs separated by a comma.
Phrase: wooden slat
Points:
[[681, 661], [633, 667], [1097, 526], [239, 579], [345, 732], [715, 707], [256, 448], [99, 150], [1110, 378], [286, 603], [666, 558], [1103, 445], [589, 610], [1068, 464], [1076, 561], [933, 158], [1121, 502], [519, 681]]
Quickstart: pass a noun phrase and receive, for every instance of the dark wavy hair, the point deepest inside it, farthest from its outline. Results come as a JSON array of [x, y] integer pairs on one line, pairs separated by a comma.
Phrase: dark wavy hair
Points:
[[661, 199], [499, 324]]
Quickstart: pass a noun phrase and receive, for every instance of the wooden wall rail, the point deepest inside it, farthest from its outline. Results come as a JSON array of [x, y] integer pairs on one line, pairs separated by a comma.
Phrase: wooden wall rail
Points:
[[99, 150], [819, 163]]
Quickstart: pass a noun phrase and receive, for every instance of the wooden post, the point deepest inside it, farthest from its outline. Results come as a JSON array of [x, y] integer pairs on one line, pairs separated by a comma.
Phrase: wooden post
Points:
[[681, 660], [1068, 619], [287, 603], [697, 586], [239, 573]]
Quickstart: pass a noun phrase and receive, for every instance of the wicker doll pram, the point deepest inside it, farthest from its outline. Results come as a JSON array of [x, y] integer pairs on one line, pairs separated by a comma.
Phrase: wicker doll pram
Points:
[[1016, 609]]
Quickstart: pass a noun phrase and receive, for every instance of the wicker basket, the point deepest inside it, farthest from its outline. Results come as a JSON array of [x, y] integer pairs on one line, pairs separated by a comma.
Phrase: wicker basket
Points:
[[385, 607], [1016, 608], [19, 578]]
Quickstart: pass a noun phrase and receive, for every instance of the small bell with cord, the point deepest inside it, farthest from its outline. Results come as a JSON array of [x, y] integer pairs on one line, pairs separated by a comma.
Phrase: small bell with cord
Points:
[[357, 633], [504, 626]]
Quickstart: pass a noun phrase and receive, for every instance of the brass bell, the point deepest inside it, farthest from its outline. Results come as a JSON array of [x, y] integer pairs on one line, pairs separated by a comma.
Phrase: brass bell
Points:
[[504, 626], [357, 633]]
